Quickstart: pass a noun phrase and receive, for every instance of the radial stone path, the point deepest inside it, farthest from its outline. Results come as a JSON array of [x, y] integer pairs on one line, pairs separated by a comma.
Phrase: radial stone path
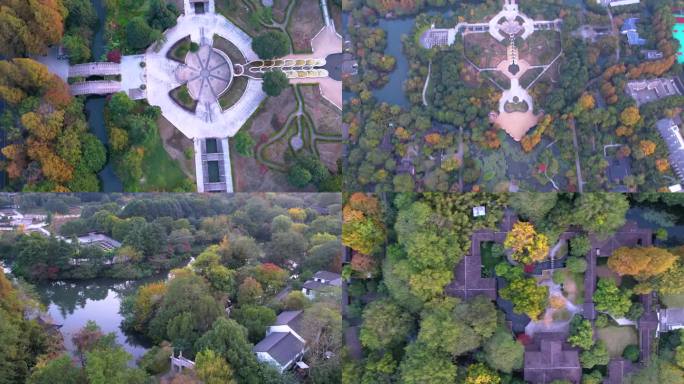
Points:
[[208, 74]]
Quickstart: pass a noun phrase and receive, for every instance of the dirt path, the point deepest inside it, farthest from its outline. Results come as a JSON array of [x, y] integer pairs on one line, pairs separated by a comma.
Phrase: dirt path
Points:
[[580, 182], [175, 143]]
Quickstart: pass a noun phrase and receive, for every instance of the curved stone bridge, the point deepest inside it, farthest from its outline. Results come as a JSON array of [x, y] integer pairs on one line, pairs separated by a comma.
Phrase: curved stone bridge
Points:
[[98, 87], [95, 69]]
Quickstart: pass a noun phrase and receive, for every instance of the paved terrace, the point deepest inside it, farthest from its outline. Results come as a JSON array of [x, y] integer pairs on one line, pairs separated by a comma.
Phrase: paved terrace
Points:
[[208, 120], [326, 42]]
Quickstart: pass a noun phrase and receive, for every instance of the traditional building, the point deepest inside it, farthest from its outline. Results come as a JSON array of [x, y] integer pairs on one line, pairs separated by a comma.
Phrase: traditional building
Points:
[[321, 281], [550, 358], [283, 345]]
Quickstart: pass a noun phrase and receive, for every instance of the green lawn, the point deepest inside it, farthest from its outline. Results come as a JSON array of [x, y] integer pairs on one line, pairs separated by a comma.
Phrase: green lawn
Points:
[[182, 97], [179, 50], [489, 259], [160, 171], [234, 92], [617, 338], [578, 279], [673, 301], [229, 49]]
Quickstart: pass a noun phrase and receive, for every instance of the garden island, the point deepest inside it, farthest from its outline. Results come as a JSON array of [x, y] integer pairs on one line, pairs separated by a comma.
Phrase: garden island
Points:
[[539, 288], [205, 95], [514, 95]]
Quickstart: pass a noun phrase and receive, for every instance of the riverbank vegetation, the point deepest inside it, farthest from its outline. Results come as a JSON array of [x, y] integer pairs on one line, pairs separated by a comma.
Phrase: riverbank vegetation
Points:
[[26, 342], [139, 157], [444, 140], [46, 141], [408, 321], [79, 25], [132, 26]]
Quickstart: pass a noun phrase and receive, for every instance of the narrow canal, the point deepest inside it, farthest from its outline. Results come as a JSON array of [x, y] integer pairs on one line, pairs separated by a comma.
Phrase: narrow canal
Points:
[[94, 106]]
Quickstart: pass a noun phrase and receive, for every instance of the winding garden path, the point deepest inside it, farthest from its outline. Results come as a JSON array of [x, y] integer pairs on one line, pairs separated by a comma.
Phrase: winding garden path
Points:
[[314, 135], [427, 82]]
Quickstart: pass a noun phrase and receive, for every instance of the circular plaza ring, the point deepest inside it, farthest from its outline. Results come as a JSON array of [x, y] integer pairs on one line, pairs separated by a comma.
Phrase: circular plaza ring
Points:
[[208, 73]]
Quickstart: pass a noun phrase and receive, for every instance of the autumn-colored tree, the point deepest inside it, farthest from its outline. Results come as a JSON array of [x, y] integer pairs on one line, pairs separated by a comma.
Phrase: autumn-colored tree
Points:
[[647, 147], [630, 116], [480, 373], [45, 128], [624, 131], [270, 276], [297, 214], [642, 263], [11, 95], [625, 151], [528, 246], [29, 27], [402, 134], [491, 140], [146, 302], [56, 169], [364, 264], [530, 141], [250, 292], [662, 165], [362, 227], [28, 75], [16, 154], [57, 92], [587, 102], [433, 138]]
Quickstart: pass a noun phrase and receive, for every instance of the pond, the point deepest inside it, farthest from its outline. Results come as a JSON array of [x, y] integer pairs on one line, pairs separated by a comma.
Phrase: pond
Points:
[[675, 234], [73, 303], [95, 105], [393, 91]]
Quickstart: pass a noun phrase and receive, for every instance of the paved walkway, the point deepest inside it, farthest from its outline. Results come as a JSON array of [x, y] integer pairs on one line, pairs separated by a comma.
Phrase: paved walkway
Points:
[[326, 42], [93, 69], [95, 88]]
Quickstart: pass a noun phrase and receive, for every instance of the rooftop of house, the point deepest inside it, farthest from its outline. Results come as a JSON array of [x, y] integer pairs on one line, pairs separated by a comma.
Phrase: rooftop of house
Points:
[[103, 241], [550, 358], [327, 276], [283, 347], [292, 319], [672, 317], [618, 369], [323, 279]]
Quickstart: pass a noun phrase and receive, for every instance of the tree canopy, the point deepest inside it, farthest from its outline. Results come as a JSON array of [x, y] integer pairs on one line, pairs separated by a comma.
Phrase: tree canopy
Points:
[[271, 45]]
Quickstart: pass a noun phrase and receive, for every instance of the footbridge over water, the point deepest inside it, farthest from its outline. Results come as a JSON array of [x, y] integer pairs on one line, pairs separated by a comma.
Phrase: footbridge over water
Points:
[[95, 69]]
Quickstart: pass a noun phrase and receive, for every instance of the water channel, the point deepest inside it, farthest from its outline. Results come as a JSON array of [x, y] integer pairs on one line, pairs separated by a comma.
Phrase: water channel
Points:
[[94, 106]]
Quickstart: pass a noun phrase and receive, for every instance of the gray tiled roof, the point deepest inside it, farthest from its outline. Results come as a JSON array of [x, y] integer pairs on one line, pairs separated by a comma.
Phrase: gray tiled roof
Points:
[[293, 319], [328, 276], [282, 346], [551, 358]]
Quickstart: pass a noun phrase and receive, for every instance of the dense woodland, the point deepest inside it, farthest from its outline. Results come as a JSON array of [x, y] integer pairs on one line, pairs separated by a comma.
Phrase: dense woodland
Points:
[[46, 142], [398, 149], [245, 250], [405, 247]]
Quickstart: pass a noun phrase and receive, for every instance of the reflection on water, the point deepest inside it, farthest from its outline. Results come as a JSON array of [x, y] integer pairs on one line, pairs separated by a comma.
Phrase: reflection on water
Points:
[[71, 304], [393, 91], [675, 234]]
